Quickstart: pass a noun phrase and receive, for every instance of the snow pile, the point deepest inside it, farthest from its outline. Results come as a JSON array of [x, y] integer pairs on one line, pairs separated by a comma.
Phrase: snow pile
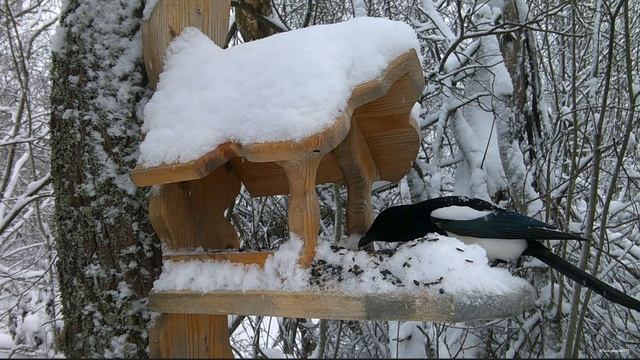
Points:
[[285, 87], [434, 265], [281, 272]]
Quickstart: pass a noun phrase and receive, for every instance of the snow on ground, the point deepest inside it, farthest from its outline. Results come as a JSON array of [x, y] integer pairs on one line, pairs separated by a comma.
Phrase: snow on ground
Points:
[[284, 87], [432, 264], [9, 349]]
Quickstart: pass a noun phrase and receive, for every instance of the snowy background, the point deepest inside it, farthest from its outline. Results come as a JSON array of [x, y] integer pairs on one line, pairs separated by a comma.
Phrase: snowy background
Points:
[[531, 104]]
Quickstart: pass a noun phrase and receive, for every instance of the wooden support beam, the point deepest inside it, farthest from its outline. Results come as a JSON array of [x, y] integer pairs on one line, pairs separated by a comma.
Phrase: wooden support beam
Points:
[[304, 209], [360, 172], [345, 306], [180, 336], [190, 214]]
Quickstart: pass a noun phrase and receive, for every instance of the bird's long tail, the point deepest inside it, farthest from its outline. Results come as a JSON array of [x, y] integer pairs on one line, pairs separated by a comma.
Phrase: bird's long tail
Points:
[[536, 249]]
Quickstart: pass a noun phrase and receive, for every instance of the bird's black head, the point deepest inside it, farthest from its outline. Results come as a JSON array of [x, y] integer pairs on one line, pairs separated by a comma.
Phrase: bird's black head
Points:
[[399, 224]]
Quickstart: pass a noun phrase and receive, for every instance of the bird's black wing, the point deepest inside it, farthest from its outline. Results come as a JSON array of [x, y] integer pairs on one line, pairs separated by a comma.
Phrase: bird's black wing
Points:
[[503, 224]]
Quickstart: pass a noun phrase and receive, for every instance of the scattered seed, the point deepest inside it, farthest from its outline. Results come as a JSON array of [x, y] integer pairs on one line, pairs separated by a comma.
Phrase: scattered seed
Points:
[[469, 261], [433, 282], [441, 291], [459, 249], [416, 282], [385, 272]]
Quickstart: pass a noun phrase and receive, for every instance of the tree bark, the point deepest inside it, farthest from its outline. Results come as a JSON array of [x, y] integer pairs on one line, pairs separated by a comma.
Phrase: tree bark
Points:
[[248, 18], [108, 255]]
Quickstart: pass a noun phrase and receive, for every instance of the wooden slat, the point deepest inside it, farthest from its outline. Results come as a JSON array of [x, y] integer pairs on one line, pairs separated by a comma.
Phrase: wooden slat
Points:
[[246, 258], [335, 305], [170, 17], [406, 66]]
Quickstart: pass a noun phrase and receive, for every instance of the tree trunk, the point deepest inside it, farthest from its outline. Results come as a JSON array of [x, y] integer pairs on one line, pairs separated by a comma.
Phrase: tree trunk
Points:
[[108, 253]]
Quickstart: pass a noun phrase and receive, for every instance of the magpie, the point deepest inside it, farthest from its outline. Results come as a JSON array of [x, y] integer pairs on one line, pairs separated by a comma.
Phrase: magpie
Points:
[[505, 235]]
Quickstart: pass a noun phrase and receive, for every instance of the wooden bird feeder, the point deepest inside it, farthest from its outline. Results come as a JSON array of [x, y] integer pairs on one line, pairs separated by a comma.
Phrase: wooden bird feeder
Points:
[[374, 138]]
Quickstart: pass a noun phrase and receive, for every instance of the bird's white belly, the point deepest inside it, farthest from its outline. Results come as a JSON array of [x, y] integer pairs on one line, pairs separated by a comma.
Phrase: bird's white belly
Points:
[[503, 249]]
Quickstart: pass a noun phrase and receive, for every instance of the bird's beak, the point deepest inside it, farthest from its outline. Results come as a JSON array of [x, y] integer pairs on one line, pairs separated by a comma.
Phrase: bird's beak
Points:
[[364, 240]]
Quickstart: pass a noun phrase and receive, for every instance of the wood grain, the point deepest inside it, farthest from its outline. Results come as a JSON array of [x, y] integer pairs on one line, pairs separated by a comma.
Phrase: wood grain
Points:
[[191, 214], [392, 137], [343, 306], [193, 336], [188, 215], [170, 17], [304, 209], [360, 172]]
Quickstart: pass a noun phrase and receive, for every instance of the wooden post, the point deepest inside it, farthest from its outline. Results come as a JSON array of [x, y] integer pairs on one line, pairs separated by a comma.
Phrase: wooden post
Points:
[[190, 336], [170, 17], [304, 210], [190, 214], [360, 171], [186, 215]]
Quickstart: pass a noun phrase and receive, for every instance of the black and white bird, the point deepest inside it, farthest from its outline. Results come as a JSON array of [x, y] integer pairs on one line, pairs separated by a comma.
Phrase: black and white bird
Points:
[[505, 235]]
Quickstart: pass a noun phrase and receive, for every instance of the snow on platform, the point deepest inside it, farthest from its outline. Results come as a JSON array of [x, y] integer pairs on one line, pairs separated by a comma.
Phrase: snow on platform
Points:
[[281, 88], [434, 278]]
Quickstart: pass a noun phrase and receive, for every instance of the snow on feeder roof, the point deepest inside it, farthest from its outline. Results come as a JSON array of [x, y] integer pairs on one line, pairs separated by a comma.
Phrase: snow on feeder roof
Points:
[[288, 87], [282, 88]]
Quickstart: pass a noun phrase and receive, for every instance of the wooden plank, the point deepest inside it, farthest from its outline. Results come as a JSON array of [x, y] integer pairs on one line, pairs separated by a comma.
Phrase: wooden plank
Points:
[[192, 170], [406, 66], [336, 305], [246, 258], [304, 209], [179, 336], [170, 17], [360, 172], [191, 214]]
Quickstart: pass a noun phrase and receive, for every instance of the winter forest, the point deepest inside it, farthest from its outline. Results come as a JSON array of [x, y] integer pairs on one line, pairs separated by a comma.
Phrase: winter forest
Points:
[[529, 104]]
